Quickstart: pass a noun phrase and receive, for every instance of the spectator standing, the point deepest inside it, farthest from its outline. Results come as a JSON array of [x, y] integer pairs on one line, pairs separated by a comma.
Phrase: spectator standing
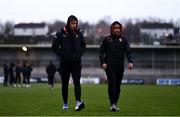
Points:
[[51, 70], [6, 73]]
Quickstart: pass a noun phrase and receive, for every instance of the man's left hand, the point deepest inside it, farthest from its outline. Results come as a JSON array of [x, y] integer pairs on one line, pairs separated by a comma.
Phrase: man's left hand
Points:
[[130, 66]]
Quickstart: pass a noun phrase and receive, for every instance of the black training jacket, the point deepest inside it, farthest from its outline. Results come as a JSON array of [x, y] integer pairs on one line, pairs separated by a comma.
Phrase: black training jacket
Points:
[[69, 47], [112, 51]]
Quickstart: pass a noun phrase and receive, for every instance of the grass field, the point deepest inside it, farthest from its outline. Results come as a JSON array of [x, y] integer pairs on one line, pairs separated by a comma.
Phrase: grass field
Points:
[[138, 100]]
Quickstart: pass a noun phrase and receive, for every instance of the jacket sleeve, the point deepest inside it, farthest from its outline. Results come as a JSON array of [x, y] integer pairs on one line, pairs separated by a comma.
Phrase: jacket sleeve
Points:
[[102, 51], [128, 52], [83, 44], [56, 43]]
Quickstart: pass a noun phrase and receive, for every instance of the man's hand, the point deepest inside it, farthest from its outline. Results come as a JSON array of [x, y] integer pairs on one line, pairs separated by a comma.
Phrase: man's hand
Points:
[[104, 65], [130, 66]]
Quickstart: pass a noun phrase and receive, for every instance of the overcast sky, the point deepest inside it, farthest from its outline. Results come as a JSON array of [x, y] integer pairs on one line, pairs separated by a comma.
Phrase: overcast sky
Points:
[[87, 10]]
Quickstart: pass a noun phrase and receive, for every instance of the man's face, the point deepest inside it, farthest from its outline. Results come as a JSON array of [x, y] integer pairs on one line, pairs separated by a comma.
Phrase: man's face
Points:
[[117, 30], [73, 25]]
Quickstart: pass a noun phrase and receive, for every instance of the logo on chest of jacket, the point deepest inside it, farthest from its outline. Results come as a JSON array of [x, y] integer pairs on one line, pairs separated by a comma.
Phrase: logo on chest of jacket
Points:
[[76, 36], [120, 39], [64, 35]]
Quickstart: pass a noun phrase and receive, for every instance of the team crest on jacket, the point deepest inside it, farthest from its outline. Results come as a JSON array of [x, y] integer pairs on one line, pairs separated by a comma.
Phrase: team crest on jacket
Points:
[[120, 39], [64, 35], [76, 36]]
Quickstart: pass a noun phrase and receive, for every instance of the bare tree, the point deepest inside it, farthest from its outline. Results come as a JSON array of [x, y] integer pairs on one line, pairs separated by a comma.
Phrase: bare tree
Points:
[[8, 28]]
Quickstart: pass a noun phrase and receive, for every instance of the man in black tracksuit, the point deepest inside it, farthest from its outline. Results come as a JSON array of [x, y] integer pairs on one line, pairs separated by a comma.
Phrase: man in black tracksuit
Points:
[[111, 55], [27, 72], [11, 74], [69, 45], [18, 71], [6, 73], [51, 70]]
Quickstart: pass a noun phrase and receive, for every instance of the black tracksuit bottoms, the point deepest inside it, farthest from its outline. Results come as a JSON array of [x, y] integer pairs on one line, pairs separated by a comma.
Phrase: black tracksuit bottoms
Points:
[[73, 68], [114, 76], [51, 79]]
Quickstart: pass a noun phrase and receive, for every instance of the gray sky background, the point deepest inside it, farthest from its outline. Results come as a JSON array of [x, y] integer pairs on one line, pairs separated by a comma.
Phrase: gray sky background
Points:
[[87, 10]]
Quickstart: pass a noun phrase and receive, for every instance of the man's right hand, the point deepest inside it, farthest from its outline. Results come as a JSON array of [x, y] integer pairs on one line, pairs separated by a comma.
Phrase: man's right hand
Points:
[[104, 65]]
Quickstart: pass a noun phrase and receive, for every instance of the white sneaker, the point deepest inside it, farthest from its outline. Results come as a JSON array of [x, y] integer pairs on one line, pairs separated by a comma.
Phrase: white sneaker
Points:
[[51, 87], [28, 86], [117, 109], [79, 106], [112, 108], [65, 107]]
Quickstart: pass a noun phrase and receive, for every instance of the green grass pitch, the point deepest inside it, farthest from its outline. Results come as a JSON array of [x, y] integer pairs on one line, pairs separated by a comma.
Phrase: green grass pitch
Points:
[[146, 100]]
